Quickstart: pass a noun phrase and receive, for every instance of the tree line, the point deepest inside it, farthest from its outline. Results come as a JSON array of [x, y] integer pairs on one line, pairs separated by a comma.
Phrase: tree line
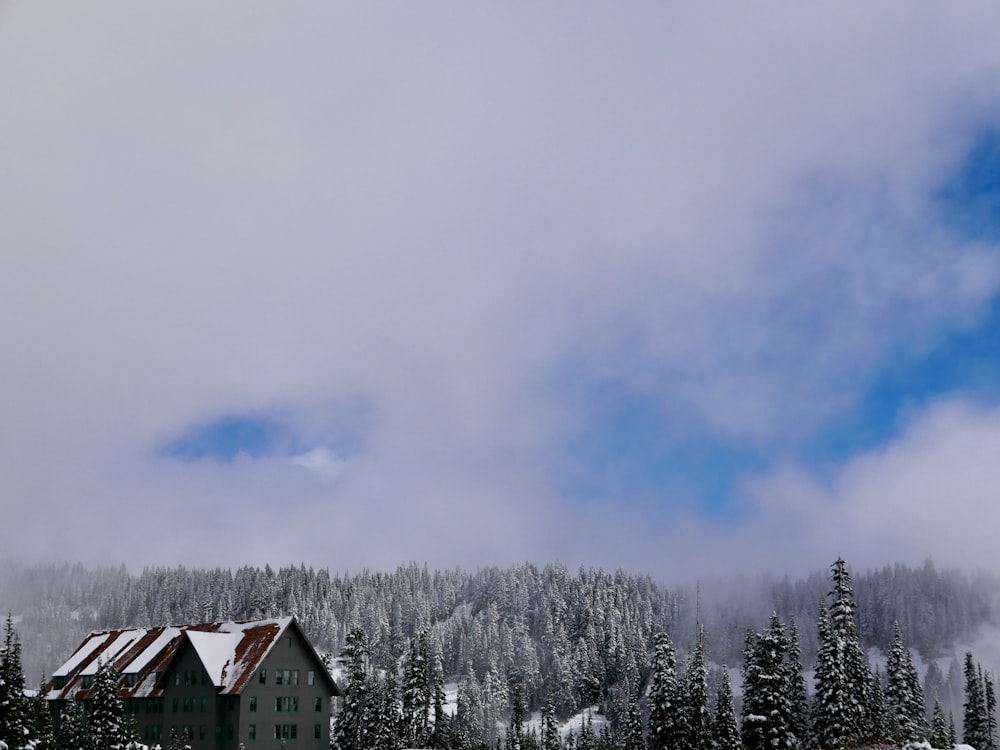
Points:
[[661, 706], [524, 640]]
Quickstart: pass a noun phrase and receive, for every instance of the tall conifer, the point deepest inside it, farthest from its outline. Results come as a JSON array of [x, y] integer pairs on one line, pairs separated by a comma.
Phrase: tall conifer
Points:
[[840, 709], [666, 721]]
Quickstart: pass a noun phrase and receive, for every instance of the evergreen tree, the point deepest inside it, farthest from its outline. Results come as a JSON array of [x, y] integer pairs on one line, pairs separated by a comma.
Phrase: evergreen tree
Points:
[[633, 737], [726, 732], [73, 731], [879, 715], [381, 720], [840, 712], [349, 725], [939, 728], [515, 729], [974, 726], [40, 720], [990, 701], [439, 735], [903, 696], [767, 720], [14, 728], [697, 719], [587, 741], [107, 722], [917, 711], [417, 693], [666, 725], [799, 697], [550, 731]]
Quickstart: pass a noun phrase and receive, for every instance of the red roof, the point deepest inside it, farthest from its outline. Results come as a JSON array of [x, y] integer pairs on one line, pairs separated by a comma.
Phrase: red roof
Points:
[[230, 652]]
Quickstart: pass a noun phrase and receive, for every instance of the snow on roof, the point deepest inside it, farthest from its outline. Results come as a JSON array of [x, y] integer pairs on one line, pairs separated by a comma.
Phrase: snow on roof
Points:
[[85, 650], [230, 652], [215, 650], [151, 651], [111, 652]]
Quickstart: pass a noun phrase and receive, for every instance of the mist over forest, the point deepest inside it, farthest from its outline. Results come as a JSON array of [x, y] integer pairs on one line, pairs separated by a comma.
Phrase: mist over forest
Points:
[[570, 634]]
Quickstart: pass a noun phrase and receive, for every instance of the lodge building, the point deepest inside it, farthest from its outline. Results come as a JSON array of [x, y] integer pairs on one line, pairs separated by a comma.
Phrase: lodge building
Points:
[[260, 684]]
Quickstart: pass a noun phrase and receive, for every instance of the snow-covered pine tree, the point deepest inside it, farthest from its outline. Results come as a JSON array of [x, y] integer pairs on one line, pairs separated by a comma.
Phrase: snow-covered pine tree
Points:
[[633, 737], [666, 721], [515, 729], [990, 704], [381, 720], [799, 697], [109, 728], [697, 718], [917, 710], [974, 725], [586, 740], [903, 696], [939, 727], [348, 726], [877, 712], [550, 731], [725, 730], [40, 720], [73, 731], [840, 707], [439, 733], [767, 691], [14, 728], [417, 692]]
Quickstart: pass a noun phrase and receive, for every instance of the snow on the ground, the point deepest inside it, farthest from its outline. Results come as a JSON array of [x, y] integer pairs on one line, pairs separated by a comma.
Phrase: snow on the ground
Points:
[[573, 725]]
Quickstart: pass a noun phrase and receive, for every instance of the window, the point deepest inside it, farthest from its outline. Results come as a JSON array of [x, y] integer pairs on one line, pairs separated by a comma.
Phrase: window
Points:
[[317, 731], [263, 677], [177, 678], [289, 640], [252, 732], [253, 704], [319, 702], [201, 731], [287, 704], [88, 681], [286, 731], [310, 678], [131, 678], [286, 677], [176, 704]]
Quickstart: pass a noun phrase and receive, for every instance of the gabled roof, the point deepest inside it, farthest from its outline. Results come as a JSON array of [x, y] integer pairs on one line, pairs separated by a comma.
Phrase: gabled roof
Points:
[[230, 652]]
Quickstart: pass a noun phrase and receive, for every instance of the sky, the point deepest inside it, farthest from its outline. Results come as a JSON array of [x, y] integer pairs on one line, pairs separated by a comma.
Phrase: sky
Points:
[[680, 288]]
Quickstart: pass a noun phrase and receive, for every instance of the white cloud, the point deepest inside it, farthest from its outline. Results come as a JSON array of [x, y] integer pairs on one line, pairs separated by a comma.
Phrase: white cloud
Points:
[[323, 462], [929, 493], [218, 210]]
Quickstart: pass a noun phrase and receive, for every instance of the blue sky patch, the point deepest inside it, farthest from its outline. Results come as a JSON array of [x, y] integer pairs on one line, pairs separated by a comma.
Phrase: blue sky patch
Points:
[[632, 448], [969, 202], [229, 437], [965, 361]]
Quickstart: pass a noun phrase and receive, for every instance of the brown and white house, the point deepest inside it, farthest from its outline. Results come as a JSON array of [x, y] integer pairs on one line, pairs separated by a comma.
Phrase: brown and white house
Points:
[[260, 684]]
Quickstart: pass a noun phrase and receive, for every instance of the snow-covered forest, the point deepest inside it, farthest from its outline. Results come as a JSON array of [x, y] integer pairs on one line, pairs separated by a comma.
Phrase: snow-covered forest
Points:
[[525, 641]]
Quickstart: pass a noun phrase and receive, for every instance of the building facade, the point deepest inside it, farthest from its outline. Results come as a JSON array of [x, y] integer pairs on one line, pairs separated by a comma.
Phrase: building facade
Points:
[[218, 685]]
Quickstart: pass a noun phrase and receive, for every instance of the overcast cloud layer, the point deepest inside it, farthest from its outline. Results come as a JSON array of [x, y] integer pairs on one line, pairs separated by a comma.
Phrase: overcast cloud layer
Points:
[[424, 241]]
